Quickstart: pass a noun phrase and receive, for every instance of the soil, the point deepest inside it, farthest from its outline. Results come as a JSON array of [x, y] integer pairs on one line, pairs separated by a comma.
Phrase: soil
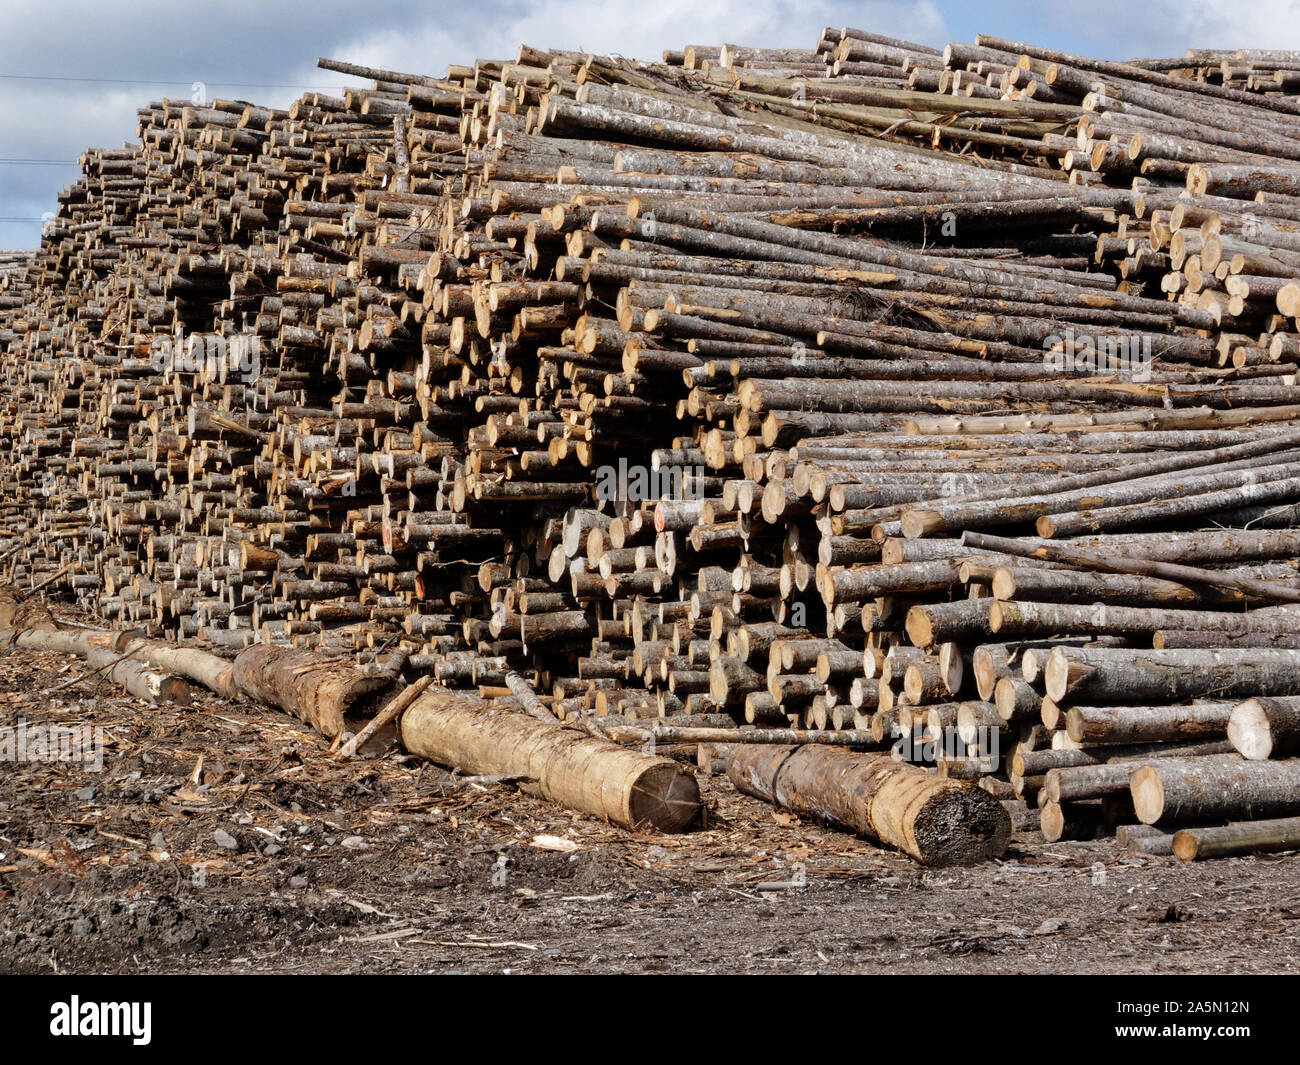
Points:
[[223, 837]]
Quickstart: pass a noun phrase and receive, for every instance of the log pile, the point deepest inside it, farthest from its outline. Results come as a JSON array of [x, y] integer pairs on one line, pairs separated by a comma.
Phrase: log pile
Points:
[[865, 394], [16, 287]]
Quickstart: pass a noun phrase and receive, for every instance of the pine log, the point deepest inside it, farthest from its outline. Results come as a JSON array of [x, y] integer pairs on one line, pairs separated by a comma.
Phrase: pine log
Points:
[[1262, 728], [1103, 676], [936, 821], [1248, 837], [1225, 787], [312, 688], [584, 773]]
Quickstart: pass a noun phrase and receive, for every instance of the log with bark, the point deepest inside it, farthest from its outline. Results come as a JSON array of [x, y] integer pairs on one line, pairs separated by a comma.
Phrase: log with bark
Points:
[[937, 822]]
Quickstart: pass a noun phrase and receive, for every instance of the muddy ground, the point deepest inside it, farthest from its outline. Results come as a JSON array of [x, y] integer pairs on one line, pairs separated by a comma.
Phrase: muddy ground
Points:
[[223, 837]]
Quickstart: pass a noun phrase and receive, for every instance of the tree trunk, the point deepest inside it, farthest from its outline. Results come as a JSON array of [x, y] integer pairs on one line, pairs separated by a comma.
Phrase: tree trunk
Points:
[[937, 822], [1250, 837], [314, 689], [1148, 724], [1227, 787], [581, 772], [1263, 728]]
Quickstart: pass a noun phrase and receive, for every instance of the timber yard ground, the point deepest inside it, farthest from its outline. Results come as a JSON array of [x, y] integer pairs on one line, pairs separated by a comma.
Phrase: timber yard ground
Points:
[[275, 857]]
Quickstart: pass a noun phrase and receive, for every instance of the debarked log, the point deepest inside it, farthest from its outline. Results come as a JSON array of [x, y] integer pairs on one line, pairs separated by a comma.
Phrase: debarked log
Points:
[[128, 669], [584, 773]]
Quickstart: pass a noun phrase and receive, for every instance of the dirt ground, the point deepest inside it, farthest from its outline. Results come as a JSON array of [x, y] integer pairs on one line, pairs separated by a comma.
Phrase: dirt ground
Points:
[[272, 856]]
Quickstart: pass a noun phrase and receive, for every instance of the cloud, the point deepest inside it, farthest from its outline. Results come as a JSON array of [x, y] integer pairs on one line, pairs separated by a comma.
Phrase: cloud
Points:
[[495, 30], [265, 50], [1122, 29], [1232, 24], [130, 54]]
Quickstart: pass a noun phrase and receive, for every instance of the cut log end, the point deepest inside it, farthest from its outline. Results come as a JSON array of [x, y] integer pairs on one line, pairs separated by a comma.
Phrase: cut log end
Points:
[[936, 821], [1051, 821], [918, 523], [1249, 732], [919, 629], [584, 773], [1185, 845], [964, 825], [664, 798], [1148, 795]]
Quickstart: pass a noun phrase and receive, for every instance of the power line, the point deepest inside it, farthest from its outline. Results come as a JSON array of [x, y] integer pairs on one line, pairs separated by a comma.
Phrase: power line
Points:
[[136, 81], [24, 219], [38, 162]]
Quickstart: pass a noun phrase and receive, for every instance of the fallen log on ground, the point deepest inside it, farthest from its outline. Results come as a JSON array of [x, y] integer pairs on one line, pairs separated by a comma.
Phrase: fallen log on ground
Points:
[[936, 821], [128, 669], [318, 689], [1247, 837], [1145, 839], [391, 712], [584, 773], [581, 772]]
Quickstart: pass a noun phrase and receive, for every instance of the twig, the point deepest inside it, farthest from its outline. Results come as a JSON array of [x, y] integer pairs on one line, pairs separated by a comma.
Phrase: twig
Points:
[[395, 707], [49, 580]]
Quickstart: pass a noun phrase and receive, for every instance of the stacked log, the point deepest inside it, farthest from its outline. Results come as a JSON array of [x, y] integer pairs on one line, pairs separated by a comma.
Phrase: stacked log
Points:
[[692, 391]]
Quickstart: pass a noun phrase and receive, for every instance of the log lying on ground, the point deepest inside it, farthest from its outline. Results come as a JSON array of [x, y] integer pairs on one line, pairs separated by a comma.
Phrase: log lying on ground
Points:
[[936, 821], [1246, 837], [318, 689], [390, 713], [583, 773], [127, 668], [202, 667], [1145, 839], [26, 622]]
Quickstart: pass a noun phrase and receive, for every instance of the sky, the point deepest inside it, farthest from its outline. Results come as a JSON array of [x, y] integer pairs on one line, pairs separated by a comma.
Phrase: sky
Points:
[[73, 72]]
